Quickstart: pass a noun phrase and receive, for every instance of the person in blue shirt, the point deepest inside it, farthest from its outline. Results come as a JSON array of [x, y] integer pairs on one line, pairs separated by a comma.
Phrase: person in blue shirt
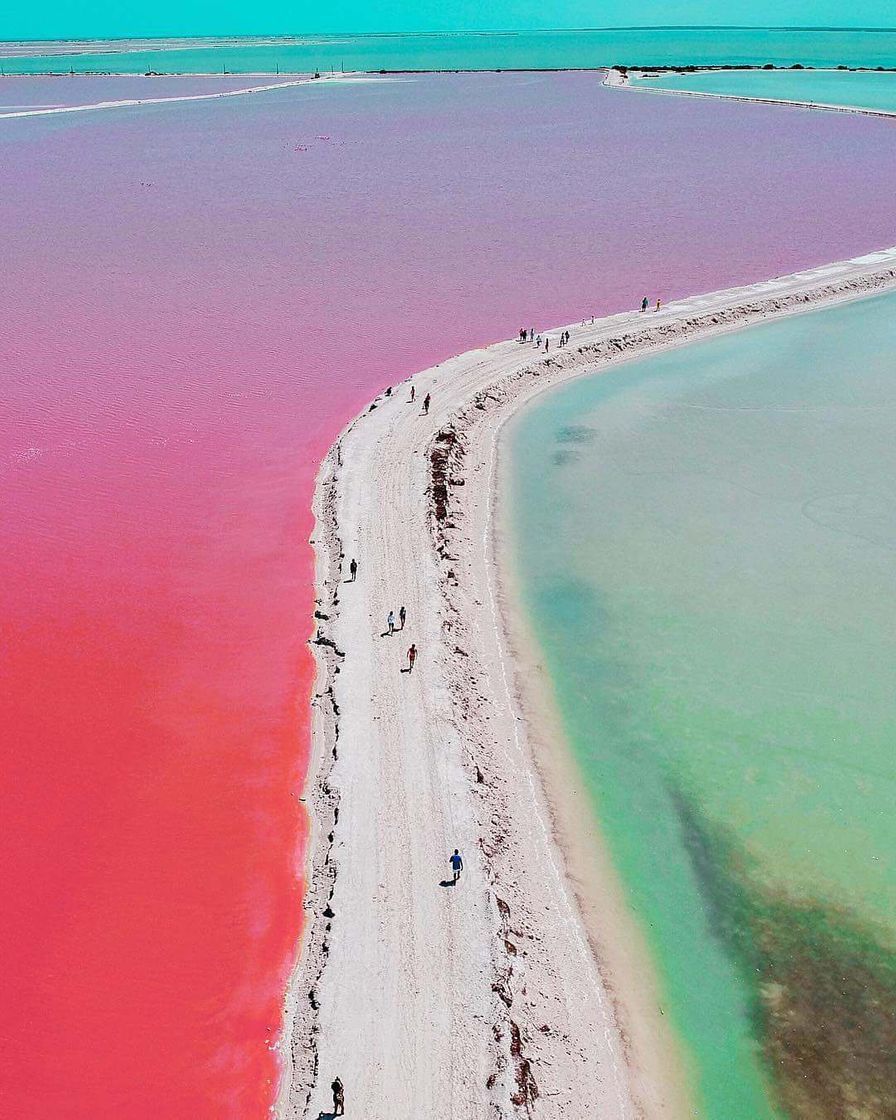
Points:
[[457, 864]]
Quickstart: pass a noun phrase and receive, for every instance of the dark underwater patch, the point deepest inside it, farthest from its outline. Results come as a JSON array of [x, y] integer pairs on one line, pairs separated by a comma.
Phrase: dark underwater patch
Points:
[[575, 433], [823, 986], [564, 456]]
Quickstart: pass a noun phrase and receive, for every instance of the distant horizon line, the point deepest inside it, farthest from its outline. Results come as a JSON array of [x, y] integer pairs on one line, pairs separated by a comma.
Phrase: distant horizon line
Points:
[[442, 31]]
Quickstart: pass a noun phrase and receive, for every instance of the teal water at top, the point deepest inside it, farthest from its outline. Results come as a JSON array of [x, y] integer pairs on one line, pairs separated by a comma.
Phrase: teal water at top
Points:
[[863, 90], [459, 51], [705, 543]]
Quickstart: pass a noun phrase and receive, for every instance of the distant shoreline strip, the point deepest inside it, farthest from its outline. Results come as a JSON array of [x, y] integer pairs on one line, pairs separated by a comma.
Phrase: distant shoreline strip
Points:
[[616, 79]]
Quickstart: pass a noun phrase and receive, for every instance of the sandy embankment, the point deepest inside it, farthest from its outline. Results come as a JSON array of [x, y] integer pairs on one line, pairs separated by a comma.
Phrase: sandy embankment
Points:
[[524, 990], [615, 79], [130, 102]]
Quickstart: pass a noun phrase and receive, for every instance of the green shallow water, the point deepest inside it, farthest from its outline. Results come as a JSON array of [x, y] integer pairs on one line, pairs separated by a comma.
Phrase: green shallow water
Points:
[[705, 542], [860, 90]]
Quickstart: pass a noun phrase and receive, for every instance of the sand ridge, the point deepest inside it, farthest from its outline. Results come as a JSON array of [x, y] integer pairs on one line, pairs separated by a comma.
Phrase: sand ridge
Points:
[[131, 102], [494, 997]]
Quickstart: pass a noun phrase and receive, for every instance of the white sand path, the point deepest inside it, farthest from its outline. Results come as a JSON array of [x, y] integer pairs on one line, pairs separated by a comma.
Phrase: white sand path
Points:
[[494, 998], [130, 102]]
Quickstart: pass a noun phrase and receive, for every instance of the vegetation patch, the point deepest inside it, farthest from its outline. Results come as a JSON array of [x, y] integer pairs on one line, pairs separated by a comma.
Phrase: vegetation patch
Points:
[[823, 984]]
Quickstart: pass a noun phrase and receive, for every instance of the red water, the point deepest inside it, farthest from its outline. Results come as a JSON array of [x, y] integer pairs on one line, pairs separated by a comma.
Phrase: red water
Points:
[[195, 299]]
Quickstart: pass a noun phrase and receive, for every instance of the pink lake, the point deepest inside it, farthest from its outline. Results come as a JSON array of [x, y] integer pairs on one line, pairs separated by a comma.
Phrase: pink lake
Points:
[[195, 299]]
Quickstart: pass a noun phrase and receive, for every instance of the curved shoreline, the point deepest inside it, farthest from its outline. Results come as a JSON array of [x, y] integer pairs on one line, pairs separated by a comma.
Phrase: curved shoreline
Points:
[[617, 80], [477, 1000]]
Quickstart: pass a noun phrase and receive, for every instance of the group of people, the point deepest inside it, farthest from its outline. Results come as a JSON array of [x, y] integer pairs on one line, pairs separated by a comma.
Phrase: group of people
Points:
[[390, 620], [391, 628], [426, 400], [529, 335]]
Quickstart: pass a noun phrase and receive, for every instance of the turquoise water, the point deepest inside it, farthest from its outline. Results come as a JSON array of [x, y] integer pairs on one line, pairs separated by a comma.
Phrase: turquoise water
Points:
[[706, 546], [828, 87], [460, 50]]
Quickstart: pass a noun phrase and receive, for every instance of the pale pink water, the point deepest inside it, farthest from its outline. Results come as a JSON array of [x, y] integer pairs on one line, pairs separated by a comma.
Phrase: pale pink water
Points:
[[195, 299]]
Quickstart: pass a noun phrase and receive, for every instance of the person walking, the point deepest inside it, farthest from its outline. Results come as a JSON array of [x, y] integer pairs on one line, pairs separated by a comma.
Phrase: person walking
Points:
[[402, 615], [413, 393], [390, 623], [412, 657], [426, 401], [338, 1098], [657, 306], [353, 570], [457, 864], [644, 303]]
